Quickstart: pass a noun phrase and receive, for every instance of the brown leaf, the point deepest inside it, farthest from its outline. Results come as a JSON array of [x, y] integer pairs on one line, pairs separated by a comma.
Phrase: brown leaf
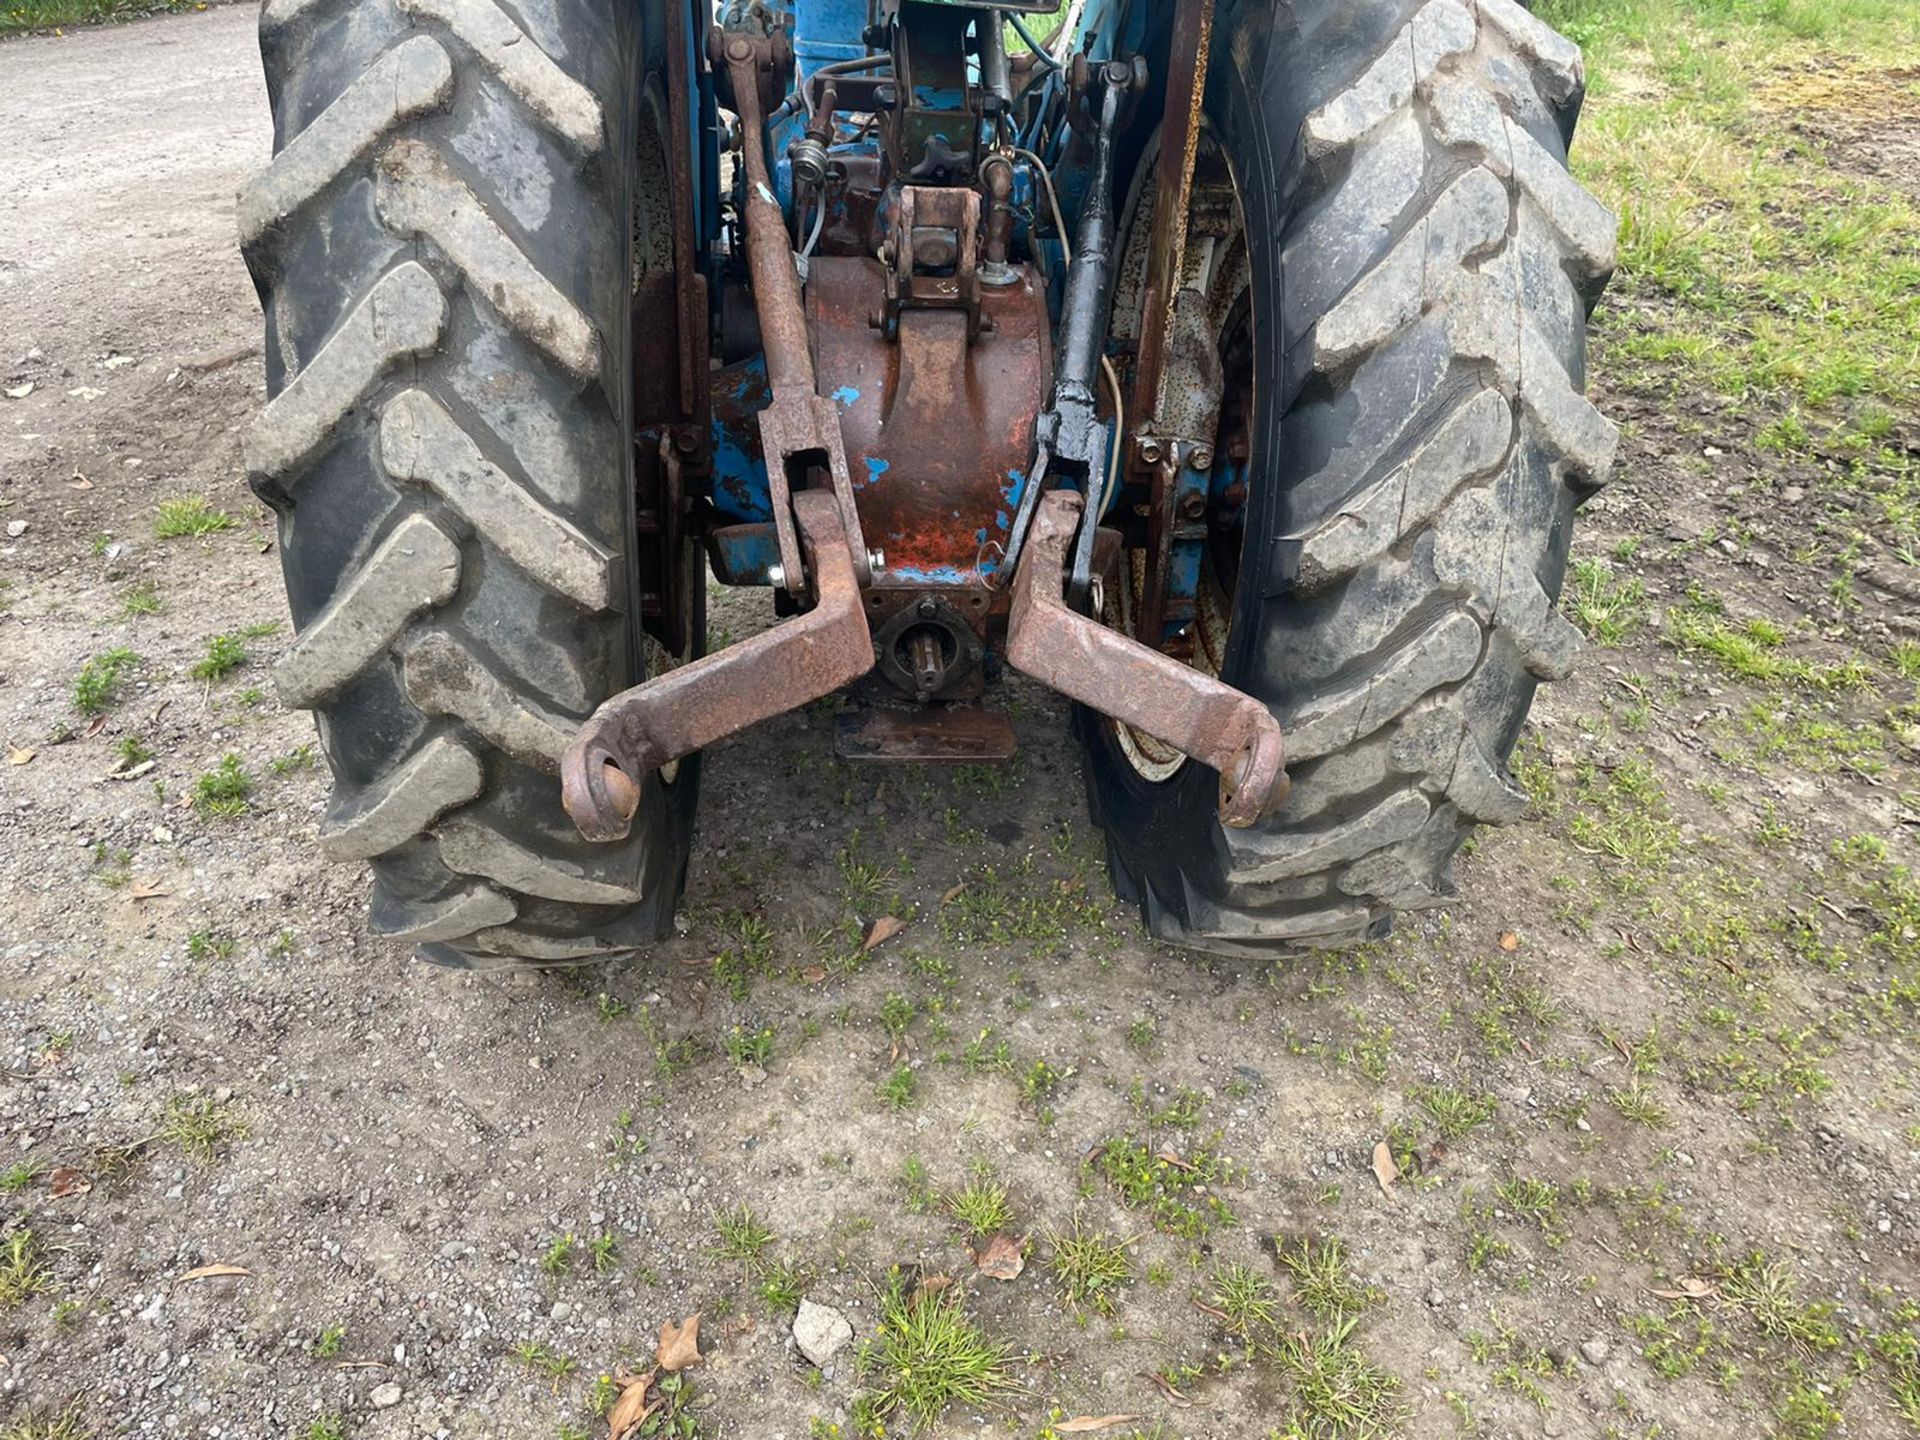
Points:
[[64, 1180], [79, 482], [631, 1410], [814, 974], [883, 930], [1509, 941], [1384, 1170], [22, 755], [1692, 1287], [94, 727], [146, 890], [1086, 1424], [213, 1272], [1000, 1257], [679, 1345], [1166, 1388], [953, 893], [929, 1286]]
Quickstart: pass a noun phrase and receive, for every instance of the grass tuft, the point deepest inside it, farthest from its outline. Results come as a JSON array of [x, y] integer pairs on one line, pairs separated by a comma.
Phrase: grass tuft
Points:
[[188, 516], [929, 1354]]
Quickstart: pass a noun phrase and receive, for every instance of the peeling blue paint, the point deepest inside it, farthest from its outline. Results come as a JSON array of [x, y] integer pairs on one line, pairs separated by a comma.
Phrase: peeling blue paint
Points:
[[846, 397]]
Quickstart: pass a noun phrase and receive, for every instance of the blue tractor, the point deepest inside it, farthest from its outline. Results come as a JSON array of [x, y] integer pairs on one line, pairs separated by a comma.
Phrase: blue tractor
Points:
[[1217, 363]]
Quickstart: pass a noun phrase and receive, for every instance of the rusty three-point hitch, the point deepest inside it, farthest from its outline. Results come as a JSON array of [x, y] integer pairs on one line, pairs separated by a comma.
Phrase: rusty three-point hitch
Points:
[[688, 708], [1193, 712]]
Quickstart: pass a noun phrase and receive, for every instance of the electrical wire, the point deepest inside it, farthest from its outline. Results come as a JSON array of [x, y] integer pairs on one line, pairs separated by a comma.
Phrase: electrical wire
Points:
[[1053, 202], [1107, 491], [819, 219], [1040, 52]]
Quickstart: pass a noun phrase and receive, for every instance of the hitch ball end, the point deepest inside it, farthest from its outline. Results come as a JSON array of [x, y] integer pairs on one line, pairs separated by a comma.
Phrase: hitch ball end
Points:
[[1256, 784], [599, 795]]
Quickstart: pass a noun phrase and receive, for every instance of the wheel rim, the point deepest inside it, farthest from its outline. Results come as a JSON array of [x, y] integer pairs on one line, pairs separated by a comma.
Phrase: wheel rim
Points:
[[1217, 264]]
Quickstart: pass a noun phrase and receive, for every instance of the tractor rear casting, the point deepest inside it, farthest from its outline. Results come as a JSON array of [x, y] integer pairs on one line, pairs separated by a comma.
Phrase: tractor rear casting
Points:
[[1217, 363]]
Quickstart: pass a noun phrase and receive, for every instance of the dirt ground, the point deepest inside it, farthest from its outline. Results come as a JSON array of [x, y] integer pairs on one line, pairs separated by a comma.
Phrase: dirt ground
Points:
[[1650, 1081]]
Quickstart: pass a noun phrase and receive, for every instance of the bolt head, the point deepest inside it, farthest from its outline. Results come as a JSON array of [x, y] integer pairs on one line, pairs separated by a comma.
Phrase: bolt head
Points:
[[1201, 457]]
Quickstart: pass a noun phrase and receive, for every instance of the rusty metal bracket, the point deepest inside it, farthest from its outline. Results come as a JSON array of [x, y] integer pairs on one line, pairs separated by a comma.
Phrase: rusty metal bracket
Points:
[[1189, 710], [799, 427], [692, 706]]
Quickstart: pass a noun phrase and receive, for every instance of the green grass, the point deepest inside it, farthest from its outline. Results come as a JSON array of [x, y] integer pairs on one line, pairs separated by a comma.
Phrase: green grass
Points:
[[981, 1205], [65, 1424], [928, 1354], [225, 654], [739, 1235], [1608, 608], [1090, 1266], [1336, 1391], [1768, 1294], [222, 792], [24, 1268], [98, 684], [189, 516], [1246, 1302], [1455, 1113], [1321, 1280], [200, 1126], [23, 15]]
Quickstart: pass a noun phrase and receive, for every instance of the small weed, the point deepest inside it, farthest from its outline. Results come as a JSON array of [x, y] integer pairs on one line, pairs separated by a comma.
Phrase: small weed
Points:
[[200, 1126], [1090, 1267], [140, 600], [981, 1204], [132, 750], [1337, 1390], [20, 1175], [328, 1344], [332, 1426], [189, 515], [225, 654], [750, 1047], [559, 1257], [1244, 1301], [298, 758], [783, 1285], [210, 945], [98, 684], [1143, 1038], [24, 1269], [67, 1424], [1636, 1103], [223, 790], [1455, 1113], [929, 1354], [1607, 609], [543, 1361], [898, 1088], [741, 1236], [1321, 1280], [603, 1253], [1766, 1292]]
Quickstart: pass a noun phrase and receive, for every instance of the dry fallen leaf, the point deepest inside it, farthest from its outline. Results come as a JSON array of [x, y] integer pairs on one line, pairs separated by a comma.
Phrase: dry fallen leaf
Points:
[[679, 1345], [814, 974], [79, 482], [98, 723], [1172, 1394], [146, 890], [1384, 1170], [1086, 1424], [631, 1410], [1692, 1287], [953, 893], [64, 1180], [213, 1272], [884, 929], [1509, 941], [22, 755], [134, 773], [929, 1286], [1000, 1258]]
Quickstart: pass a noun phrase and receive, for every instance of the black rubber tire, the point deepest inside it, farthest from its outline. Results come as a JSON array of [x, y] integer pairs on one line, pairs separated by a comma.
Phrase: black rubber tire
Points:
[[1420, 445], [443, 248]]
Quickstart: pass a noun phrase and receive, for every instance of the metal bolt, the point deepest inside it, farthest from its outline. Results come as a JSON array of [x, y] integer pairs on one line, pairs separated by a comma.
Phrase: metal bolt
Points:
[[777, 576], [686, 440], [928, 609], [1194, 506], [1200, 457], [1150, 449]]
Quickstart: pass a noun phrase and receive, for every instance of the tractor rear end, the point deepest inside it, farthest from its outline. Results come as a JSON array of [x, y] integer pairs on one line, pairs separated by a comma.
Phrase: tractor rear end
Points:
[[1216, 364]]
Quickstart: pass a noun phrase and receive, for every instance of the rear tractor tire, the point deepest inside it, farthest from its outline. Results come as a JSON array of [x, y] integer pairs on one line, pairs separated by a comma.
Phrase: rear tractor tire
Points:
[[443, 248], [1410, 344]]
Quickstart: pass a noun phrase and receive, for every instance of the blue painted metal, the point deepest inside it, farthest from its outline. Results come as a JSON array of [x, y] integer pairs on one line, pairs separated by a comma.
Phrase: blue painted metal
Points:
[[745, 554], [740, 491]]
